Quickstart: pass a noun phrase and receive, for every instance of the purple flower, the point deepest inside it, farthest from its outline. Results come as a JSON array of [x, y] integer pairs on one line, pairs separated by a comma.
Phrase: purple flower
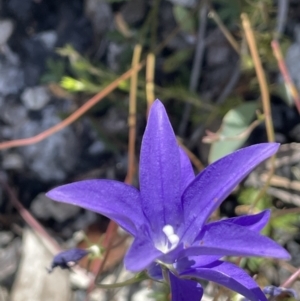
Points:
[[67, 259], [168, 215]]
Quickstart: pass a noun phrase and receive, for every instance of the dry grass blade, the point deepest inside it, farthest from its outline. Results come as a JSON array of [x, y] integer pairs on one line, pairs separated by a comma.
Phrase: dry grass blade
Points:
[[30, 220], [150, 70], [230, 38], [263, 85], [132, 115], [285, 73], [265, 96]]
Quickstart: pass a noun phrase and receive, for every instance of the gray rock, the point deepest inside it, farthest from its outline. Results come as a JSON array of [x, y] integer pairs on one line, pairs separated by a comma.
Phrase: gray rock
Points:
[[115, 121], [48, 38], [79, 295], [4, 293], [9, 259], [6, 29], [114, 55], [35, 98], [44, 208], [12, 112], [32, 282], [12, 161], [5, 238], [21, 9], [53, 158], [6, 132], [133, 11], [100, 14], [11, 76], [97, 148]]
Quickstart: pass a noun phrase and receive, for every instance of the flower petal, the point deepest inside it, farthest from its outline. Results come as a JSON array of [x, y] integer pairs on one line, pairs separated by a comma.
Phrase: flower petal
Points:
[[187, 172], [141, 254], [230, 276], [255, 222], [116, 200], [155, 272], [228, 239], [185, 290], [160, 172], [185, 263], [215, 183]]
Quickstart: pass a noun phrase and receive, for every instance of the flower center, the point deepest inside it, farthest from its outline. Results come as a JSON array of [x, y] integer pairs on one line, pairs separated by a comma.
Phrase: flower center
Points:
[[172, 239]]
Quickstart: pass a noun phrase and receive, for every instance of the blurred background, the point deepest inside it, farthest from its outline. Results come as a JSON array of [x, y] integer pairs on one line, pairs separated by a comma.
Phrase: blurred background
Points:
[[228, 73]]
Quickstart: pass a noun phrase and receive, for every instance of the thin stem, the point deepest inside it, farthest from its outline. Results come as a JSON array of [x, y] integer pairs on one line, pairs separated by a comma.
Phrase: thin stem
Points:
[[107, 244], [285, 73], [132, 115], [230, 38], [52, 245], [150, 71], [265, 99], [260, 76], [291, 279]]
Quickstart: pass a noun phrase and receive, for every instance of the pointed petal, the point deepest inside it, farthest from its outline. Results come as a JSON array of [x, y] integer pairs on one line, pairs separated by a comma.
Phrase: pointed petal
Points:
[[155, 272], [185, 290], [141, 254], [255, 222], [228, 239], [116, 200], [230, 276], [185, 263], [160, 172], [187, 172], [214, 184]]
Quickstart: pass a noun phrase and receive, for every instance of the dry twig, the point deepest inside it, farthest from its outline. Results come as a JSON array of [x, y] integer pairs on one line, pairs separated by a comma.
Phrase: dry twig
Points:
[[285, 73]]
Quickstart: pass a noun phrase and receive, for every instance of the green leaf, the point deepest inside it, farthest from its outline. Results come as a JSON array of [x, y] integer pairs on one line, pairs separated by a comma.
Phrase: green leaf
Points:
[[248, 195], [55, 71], [287, 222], [79, 85], [184, 19], [72, 84], [235, 122]]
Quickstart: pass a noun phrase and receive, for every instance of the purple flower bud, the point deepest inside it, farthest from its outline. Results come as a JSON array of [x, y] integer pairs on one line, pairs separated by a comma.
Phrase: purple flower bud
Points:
[[279, 291], [67, 259]]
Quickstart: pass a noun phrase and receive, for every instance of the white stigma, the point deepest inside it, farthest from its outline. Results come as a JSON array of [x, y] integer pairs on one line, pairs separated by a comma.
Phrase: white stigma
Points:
[[168, 230], [173, 239]]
